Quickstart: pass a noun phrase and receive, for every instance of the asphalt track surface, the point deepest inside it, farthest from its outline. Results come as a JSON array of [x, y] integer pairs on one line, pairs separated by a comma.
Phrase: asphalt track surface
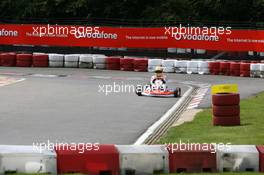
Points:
[[69, 108]]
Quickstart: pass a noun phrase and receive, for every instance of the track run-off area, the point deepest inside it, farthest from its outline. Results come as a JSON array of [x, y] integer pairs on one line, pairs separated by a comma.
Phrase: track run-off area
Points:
[[71, 105]]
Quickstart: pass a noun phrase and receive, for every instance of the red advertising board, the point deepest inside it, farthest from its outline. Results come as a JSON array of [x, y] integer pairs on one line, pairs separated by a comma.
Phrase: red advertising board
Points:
[[161, 37]]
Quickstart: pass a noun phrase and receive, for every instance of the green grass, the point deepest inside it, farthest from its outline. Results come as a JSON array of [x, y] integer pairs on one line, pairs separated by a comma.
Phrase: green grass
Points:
[[201, 130], [218, 174]]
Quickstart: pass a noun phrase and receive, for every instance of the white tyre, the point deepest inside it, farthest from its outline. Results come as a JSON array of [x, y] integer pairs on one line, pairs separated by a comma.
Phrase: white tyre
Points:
[[172, 50], [71, 64], [261, 67], [151, 68], [56, 57], [155, 62], [99, 59], [71, 58], [188, 50], [203, 71], [203, 64], [250, 53], [200, 51], [56, 64], [180, 66], [86, 65], [168, 63], [255, 67], [122, 49], [86, 58], [181, 51], [192, 64], [99, 66], [169, 69]]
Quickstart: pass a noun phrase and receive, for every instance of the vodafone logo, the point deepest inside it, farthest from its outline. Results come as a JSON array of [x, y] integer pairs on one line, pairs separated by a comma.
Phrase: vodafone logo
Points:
[[9, 33]]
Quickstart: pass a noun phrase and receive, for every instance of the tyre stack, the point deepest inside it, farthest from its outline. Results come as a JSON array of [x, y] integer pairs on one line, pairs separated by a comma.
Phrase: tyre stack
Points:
[[235, 69], [24, 60], [261, 70], [8, 59], [192, 67], [168, 66], [203, 67], [56, 60], [127, 64], [226, 109], [214, 68], [99, 61], [71, 61], [255, 70], [86, 61], [153, 63], [225, 68], [140, 65], [245, 70], [40, 60], [112, 63], [180, 66]]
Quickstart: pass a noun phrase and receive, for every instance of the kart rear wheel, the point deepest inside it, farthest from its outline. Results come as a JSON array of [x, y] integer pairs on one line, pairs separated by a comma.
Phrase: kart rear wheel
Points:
[[177, 92]]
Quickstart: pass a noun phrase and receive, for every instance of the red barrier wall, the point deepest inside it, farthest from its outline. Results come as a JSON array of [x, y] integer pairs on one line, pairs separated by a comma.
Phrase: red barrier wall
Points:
[[160, 37]]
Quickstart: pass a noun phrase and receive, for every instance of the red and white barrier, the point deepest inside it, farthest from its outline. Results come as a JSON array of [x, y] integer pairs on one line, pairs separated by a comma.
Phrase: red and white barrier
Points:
[[40, 60], [97, 61], [143, 159], [192, 158], [24, 60], [101, 159], [131, 159], [238, 158], [27, 159]]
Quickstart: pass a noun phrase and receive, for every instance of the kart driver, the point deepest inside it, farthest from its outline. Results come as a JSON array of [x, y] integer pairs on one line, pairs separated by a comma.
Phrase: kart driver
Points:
[[158, 76]]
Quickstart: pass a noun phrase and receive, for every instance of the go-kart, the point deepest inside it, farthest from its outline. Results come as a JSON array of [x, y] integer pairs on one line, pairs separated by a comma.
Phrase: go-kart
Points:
[[157, 88]]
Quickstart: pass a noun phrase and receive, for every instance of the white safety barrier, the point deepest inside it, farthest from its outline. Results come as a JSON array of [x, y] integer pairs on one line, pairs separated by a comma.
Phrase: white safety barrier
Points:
[[188, 50], [56, 60], [200, 51], [238, 158], [99, 61], [143, 159], [250, 53], [27, 159], [255, 70], [192, 67], [71, 61], [168, 66], [153, 63], [262, 70], [86, 61], [181, 51], [180, 66], [122, 49], [172, 50], [203, 67]]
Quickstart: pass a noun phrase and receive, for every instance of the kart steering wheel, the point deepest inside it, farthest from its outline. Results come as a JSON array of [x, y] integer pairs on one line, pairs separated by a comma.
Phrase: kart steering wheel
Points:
[[161, 79]]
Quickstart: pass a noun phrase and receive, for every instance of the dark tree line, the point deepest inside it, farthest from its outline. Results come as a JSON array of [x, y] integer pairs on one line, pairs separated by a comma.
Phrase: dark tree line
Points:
[[153, 10]]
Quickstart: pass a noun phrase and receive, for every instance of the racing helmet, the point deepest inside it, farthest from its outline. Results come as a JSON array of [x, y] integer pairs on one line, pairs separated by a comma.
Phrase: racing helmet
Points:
[[158, 69]]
